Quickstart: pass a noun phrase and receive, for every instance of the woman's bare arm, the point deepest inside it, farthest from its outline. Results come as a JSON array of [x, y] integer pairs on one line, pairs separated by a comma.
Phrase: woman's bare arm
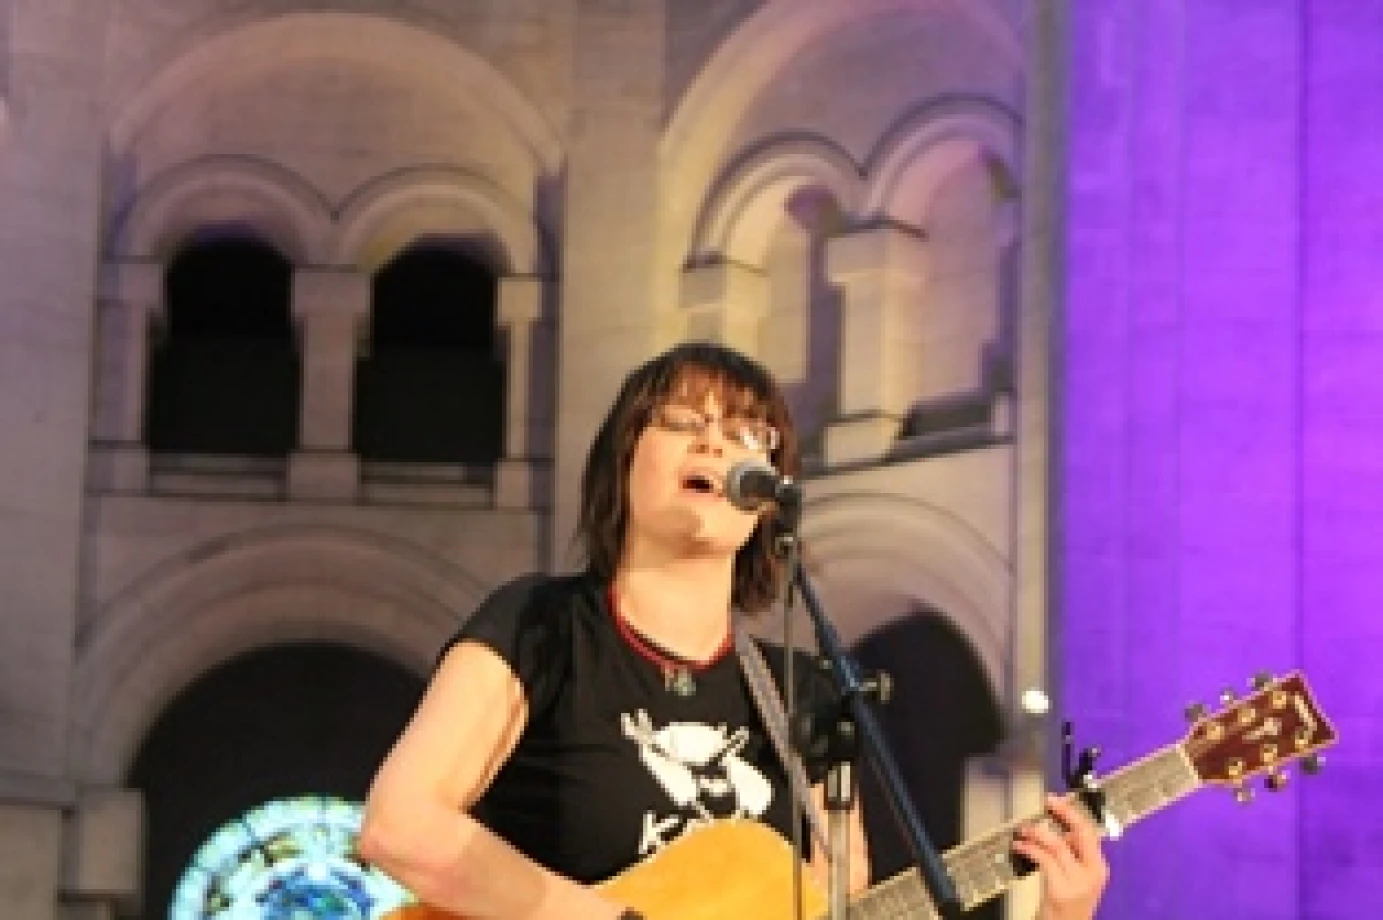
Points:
[[416, 826]]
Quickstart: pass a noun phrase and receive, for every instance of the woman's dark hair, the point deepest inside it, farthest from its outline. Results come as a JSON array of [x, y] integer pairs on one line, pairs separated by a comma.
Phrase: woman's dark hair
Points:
[[744, 388]]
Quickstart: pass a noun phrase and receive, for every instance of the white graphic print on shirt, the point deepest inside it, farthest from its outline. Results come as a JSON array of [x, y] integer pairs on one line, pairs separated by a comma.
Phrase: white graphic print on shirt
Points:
[[702, 772]]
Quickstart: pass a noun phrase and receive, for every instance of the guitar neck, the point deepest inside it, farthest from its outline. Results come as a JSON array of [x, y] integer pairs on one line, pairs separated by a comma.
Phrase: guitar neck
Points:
[[983, 868]]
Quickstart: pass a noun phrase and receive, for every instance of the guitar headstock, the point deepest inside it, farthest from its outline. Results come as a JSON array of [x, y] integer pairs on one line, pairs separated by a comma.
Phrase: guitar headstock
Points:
[[1278, 723]]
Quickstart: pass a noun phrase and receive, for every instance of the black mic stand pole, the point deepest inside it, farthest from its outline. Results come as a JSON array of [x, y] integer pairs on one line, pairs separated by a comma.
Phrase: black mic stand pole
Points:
[[832, 745], [853, 722]]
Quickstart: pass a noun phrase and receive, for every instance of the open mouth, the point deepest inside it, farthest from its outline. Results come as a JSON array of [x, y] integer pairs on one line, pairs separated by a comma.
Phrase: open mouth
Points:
[[700, 483]]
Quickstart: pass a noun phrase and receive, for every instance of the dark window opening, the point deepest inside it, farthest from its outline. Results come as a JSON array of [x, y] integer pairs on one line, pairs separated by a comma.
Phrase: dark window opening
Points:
[[226, 378], [431, 388], [942, 712]]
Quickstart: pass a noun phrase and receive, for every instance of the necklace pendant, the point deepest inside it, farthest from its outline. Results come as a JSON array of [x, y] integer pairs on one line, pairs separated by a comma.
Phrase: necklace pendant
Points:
[[679, 681]]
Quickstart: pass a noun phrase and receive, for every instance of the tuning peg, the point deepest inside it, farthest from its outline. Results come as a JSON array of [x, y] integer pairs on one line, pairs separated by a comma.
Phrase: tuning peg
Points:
[[1227, 696], [1276, 781], [1079, 770], [1312, 764], [1243, 794], [1261, 681]]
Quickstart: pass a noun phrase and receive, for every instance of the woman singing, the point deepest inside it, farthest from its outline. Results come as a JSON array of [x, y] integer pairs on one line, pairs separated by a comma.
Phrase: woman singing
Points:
[[575, 725]]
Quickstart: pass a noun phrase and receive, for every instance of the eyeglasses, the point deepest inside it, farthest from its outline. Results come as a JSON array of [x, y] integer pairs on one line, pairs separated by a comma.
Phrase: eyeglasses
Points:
[[751, 434]]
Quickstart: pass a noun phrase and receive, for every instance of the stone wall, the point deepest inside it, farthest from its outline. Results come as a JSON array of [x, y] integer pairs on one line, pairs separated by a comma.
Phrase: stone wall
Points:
[[1219, 484], [830, 186]]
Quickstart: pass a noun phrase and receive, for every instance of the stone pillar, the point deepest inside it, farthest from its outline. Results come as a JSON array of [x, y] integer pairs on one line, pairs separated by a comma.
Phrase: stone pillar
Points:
[[520, 474], [330, 306], [880, 273], [725, 302], [129, 309], [611, 319], [50, 186]]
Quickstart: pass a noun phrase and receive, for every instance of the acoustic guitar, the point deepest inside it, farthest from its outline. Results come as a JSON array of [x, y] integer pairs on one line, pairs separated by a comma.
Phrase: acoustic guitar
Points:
[[744, 869]]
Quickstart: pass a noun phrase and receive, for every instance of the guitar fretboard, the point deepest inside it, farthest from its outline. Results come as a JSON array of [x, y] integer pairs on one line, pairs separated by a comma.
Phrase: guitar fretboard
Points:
[[984, 867]]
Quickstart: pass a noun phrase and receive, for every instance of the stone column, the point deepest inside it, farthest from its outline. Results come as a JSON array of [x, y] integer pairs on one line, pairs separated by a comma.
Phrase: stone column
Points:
[[51, 189], [880, 273], [330, 306], [611, 318], [725, 302], [129, 309], [520, 476]]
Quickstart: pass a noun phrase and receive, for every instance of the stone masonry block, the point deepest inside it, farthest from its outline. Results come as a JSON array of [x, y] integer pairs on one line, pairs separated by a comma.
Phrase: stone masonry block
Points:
[[30, 844], [520, 299], [893, 250], [317, 475], [105, 835], [131, 282], [859, 440], [118, 468], [330, 291], [728, 285], [522, 484]]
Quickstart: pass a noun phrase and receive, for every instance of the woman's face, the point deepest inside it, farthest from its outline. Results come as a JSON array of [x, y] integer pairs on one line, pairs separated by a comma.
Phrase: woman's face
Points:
[[677, 477]]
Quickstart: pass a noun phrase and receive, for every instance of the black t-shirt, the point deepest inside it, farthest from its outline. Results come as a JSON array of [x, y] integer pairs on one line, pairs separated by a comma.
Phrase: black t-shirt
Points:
[[612, 765]]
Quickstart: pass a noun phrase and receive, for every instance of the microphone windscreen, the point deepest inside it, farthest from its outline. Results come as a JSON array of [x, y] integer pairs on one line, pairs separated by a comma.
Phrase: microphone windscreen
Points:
[[751, 483]]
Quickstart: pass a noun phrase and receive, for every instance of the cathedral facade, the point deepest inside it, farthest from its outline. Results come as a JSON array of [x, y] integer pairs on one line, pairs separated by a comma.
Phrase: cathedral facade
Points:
[[311, 310]]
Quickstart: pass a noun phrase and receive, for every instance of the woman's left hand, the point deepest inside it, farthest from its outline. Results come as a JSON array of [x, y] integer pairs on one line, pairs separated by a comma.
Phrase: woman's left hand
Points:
[[1074, 871]]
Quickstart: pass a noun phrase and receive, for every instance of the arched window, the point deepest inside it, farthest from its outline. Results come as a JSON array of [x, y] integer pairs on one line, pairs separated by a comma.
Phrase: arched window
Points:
[[432, 386], [270, 726], [225, 379], [941, 713]]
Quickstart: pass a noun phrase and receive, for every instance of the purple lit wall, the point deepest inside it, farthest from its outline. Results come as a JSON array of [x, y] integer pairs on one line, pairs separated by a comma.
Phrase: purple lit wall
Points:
[[1221, 503]]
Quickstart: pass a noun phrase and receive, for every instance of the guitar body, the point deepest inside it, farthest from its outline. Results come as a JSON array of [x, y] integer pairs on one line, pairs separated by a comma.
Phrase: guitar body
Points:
[[725, 870]]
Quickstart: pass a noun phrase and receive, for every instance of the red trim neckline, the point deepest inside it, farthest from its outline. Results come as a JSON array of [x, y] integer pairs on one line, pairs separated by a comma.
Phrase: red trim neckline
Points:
[[647, 650]]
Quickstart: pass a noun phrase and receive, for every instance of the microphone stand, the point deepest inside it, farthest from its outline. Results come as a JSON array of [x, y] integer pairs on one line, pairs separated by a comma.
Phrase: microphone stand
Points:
[[850, 721]]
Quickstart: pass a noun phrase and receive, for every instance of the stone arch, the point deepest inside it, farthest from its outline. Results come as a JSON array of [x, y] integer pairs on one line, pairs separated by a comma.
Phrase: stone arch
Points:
[[416, 53], [918, 154], [385, 215], [215, 601], [274, 203], [741, 214], [911, 553], [705, 117]]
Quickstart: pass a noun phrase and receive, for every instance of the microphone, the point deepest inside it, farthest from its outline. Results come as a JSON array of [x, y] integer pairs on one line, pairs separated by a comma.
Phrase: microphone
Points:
[[751, 483]]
